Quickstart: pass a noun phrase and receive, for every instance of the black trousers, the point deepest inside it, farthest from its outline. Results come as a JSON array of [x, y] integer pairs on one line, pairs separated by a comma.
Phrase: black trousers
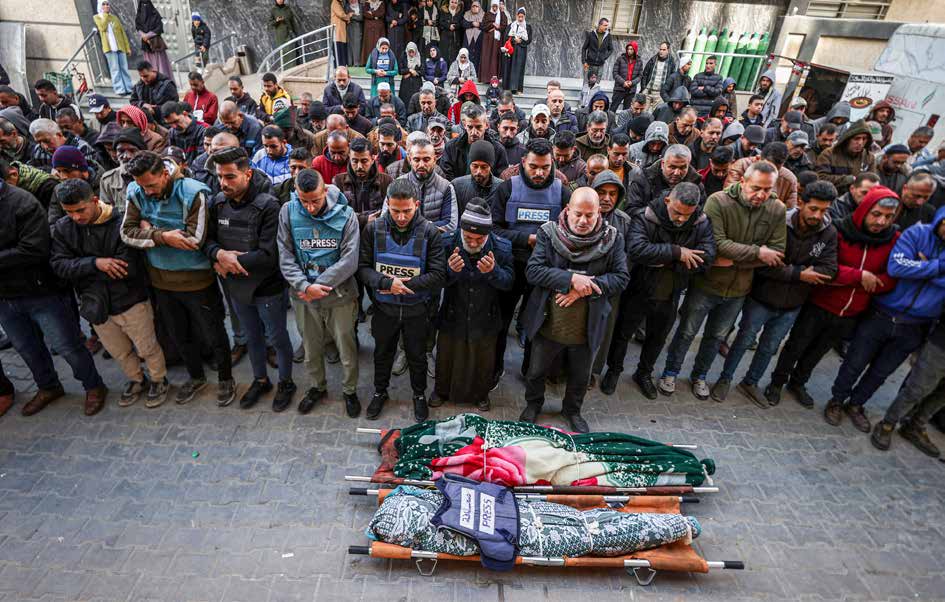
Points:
[[634, 309], [387, 330], [189, 318], [507, 302], [621, 96], [814, 333], [577, 369]]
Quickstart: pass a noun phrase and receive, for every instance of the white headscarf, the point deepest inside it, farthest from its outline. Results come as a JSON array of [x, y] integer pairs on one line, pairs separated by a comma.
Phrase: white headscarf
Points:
[[519, 30], [472, 34], [100, 3], [498, 20], [412, 63]]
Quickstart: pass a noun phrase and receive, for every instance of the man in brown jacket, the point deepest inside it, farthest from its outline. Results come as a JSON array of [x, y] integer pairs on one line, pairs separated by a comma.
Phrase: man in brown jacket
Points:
[[335, 122], [776, 153], [841, 163]]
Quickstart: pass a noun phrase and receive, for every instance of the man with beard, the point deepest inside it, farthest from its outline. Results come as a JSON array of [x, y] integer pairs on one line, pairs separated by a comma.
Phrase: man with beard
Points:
[[892, 168], [402, 264], [470, 318], [669, 242], [390, 117], [334, 160], [299, 159], [675, 80], [798, 161], [714, 175], [578, 266], [792, 121], [618, 162], [363, 184], [48, 137], [771, 95], [385, 96], [508, 132], [356, 121], [246, 128], [455, 160], [916, 193], [240, 98], [595, 165], [850, 156], [750, 231], [434, 192], [657, 180], [70, 122], [747, 145], [186, 131], [597, 48], [417, 122], [847, 202], [825, 138], [14, 145], [649, 150], [388, 145], [559, 117], [273, 158], [775, 153], [204, 104], [657, 70], [520, 206], [703, 146], [50, 101], [706, 87], [479, 182], [152, 90], [830, 315], [778, 293], [334, 93], [567, 160], [11, 98], [539, 126], [114, 183], [682, 130], [507, 105], [596, 139], [436, 132], [918, 145]]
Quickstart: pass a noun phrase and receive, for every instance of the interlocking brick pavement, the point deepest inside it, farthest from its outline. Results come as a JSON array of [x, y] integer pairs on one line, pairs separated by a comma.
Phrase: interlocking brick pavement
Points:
[[115, 507]]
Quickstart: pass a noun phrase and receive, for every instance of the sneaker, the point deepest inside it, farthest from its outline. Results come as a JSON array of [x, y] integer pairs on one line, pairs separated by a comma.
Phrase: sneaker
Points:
[[882, 435], [578, 424], [420, 410], [236, 354], [640, 335], [189, 390], [299, 355], [484, 405], [312, 397], [917, 436], [833, 413], [431, 365], [331, 353], [226, 392], [801, 395], [352, 405], [773, 394], [257, 389], [645, 382], [43, 398], [608, 384], [400, 363], [436, 400], [285, 391], [858, 417], [376, 406], [700, 389], [667, 385], [95, 400], [530, 413], [157, 393], [132, 391], [719, 390], [753, 393]]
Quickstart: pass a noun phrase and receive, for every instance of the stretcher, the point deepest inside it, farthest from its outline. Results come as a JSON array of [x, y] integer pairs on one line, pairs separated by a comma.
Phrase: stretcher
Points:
[[644, 565], [385, 478]]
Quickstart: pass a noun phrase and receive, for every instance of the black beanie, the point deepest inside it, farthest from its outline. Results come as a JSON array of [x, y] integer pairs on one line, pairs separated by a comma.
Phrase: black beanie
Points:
[[639, 124], [481, 150], [130, 136], [317, 111]]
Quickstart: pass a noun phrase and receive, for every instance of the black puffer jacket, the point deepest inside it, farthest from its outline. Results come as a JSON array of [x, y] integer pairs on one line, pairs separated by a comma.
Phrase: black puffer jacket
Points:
[[711, 84], [673, 81], [75, 249], [24, 245], [650, 185]]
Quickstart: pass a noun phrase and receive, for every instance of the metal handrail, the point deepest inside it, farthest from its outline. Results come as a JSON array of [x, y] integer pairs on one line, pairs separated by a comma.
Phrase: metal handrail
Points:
[[302, 49], [175, 69], [65, 68], [90, 47]]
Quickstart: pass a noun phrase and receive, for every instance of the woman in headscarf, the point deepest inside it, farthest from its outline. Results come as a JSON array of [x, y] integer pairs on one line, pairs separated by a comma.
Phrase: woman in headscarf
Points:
[[115, 46], [150, 28], [381, 65], [340, 18], [519, 36], [411, 73], [282, 23], [461, 71], [430, 23], [374, 28], [131, 116], [473, 24], [451, 30], [355, 29], [434, 68], [493, 37], [413, 31], [396, 23]]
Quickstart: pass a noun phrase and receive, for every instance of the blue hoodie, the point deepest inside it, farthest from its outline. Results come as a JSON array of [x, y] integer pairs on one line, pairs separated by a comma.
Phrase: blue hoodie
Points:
[[920, 291]]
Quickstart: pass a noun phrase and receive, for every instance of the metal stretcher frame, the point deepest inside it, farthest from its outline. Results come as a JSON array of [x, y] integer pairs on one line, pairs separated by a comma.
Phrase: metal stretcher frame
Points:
[[384, 477], [678, 556]]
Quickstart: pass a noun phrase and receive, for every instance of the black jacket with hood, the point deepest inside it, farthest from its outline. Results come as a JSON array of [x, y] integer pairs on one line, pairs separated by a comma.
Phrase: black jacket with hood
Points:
[[24, 246], [665, 112], [654, 187], [674, 80]]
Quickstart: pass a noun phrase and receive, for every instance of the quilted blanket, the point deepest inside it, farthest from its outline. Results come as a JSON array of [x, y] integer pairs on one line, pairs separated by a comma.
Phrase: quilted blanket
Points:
[[519, 453], [546, 529]]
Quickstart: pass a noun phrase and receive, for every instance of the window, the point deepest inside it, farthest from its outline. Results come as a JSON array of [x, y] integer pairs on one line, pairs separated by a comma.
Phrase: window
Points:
[[849, 9], [624, 15]]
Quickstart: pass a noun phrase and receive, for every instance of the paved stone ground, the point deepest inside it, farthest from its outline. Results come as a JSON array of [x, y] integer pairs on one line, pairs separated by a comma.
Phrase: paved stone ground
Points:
[[116, 507]]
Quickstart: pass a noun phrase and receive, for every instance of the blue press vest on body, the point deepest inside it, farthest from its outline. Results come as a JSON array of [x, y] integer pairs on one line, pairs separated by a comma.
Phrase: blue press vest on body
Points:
[[400, 261], [171, 214], [484, 511], [527, 208], [318, 239]]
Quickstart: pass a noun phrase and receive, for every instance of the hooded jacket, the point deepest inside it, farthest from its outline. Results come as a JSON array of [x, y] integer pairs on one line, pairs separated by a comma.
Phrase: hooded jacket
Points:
[[769, 111], [711, 84], [674, 80], [740, 230], [665, 111], [782, 287], [638, 152], [650, 185], [839, 110], [920, 286], [453, 114], [596, 53], [364, 197], [730, 97], [887, 127], [616, 218], [627, 70], [845, 296], [838, 166]]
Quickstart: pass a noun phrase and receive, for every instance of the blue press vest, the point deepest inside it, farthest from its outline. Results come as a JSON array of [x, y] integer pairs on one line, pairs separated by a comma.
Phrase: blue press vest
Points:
[[484, 511], [528, 208], [400, 261], [318, 239], [171, 214]]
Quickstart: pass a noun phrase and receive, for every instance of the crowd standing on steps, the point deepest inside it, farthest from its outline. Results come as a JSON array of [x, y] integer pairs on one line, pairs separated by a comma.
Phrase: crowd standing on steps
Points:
[[183, 229]]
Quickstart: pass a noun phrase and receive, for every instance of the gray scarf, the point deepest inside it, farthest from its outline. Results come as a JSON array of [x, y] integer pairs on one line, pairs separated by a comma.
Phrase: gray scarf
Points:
[[576, 248]]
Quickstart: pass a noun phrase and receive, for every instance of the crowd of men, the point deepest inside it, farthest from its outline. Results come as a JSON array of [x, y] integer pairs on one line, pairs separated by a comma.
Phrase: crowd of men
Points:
[[145, 229]]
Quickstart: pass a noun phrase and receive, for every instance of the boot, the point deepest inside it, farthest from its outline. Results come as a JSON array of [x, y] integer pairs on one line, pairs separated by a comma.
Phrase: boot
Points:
[[917, 436], [882, 435]]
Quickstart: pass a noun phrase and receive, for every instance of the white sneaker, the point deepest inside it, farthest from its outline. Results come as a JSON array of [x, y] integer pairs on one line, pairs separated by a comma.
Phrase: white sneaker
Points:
[[700, 389], [667, 385]]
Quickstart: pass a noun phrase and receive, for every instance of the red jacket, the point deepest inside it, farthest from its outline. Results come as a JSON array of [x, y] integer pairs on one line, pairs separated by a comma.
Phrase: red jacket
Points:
[[206, 102], [327, 168], [845, 296]]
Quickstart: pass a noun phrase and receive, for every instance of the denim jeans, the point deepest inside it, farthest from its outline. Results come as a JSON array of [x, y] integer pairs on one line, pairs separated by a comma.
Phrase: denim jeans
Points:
[[30, 320], [118, 65], [755, 316], [879, 346], [265, 319], [718, 313]]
